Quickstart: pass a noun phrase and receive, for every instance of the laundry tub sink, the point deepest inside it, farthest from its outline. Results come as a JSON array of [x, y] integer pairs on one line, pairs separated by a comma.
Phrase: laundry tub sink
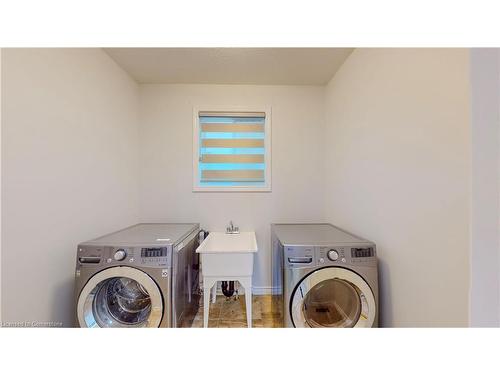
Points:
[[228, 254], [227, 257]]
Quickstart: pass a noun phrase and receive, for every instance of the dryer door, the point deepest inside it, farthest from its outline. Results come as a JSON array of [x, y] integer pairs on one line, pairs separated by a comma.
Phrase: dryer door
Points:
[[332, 297], [120, 297]]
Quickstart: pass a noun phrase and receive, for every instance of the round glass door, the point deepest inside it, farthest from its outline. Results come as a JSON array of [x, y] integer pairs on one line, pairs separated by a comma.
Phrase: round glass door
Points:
[[120, 297], [332, 303], [121, 300], [333, 297]]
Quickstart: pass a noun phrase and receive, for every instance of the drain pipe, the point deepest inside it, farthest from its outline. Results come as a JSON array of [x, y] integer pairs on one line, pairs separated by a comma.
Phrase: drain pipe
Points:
[[227, 291]]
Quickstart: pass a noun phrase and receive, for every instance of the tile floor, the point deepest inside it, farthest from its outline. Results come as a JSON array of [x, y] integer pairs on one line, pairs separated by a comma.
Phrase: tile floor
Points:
[[231, 313]]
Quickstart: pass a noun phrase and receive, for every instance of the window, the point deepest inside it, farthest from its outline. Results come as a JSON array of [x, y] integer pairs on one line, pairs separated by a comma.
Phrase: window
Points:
[[232, 151]]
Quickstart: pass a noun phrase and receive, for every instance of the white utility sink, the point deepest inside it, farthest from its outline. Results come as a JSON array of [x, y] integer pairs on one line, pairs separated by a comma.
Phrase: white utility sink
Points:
[[228, 254], [227, 257], [220, 242]]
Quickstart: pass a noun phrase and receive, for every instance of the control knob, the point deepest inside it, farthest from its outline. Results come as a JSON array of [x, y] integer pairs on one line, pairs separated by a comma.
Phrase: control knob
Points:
[[333, 255], [120, 254]]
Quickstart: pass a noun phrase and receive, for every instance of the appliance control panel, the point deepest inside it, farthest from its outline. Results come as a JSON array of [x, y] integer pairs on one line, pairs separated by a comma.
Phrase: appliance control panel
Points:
[[362, 255], [152, 257], [155, 256], [328, 255], [313, 256]]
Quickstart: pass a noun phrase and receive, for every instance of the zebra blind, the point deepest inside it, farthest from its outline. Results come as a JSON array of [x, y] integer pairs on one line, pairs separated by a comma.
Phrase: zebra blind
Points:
[[232, 149]]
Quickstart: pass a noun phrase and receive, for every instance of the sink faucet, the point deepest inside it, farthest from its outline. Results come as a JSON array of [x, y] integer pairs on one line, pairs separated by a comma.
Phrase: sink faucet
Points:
[[231, 229]]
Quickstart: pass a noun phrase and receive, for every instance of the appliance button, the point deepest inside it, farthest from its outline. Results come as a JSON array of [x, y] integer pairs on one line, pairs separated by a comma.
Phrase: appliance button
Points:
[[333, 255], [321, 260], [120, 254]]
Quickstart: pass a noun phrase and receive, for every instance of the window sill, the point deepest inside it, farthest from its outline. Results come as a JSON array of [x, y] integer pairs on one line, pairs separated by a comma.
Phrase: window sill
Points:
[[231, 189]]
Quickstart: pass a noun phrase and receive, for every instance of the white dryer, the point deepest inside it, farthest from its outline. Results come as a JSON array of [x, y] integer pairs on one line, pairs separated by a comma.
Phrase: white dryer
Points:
[[323, 277]]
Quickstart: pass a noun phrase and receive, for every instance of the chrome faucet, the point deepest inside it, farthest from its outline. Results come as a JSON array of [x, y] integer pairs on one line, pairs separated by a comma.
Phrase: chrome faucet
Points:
[[231, 229]]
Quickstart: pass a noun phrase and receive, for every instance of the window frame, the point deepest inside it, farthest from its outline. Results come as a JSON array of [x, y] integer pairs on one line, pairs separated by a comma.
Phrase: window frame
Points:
[[196, 148]]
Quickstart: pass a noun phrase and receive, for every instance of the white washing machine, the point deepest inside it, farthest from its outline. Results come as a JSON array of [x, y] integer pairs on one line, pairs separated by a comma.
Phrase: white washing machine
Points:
[[323, 277], [142, 276]]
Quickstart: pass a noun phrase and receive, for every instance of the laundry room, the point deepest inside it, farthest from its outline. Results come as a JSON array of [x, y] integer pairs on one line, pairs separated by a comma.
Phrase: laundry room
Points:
[[206, 187]]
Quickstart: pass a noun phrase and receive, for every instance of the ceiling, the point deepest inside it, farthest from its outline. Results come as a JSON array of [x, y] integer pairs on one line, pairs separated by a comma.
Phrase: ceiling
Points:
[[260, 66]]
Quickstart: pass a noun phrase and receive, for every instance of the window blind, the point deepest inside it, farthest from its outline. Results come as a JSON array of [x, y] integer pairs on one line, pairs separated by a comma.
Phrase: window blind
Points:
[[232, 149]]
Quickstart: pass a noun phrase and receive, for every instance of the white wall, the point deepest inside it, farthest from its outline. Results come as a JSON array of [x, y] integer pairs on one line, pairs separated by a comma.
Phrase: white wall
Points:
[[398, 173], [166, 123], [485, 202], [69, 165]]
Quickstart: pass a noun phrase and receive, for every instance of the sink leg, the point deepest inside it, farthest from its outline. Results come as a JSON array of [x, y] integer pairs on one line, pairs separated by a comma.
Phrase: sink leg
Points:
[[248, 301], [206, 301], [247, 285]]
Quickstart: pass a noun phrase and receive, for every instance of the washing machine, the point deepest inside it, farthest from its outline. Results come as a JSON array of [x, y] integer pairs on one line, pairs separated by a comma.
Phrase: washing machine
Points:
[[323, 277], [142, 276]]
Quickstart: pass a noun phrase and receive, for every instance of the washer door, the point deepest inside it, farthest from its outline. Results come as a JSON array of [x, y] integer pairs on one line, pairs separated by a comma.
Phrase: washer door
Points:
[[332, 297], [120, 297]]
